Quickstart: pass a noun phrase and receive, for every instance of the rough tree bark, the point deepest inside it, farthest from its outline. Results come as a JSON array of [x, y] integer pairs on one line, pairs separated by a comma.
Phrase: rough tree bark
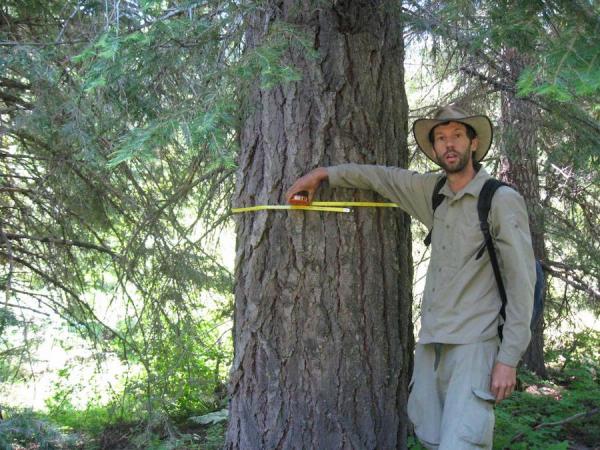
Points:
[[323, 332], [519, 167]]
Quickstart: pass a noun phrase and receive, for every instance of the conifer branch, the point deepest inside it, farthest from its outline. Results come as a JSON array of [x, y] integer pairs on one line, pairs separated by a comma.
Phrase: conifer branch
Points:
[[58, 241]]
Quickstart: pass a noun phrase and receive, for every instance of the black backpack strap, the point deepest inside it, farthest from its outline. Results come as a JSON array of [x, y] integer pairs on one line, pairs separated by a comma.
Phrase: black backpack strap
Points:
[[436, 200], [484, 205]]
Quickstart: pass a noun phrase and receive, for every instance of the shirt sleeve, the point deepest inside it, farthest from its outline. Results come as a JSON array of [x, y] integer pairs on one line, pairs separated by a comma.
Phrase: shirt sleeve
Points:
[[510, 230], [411, 190]]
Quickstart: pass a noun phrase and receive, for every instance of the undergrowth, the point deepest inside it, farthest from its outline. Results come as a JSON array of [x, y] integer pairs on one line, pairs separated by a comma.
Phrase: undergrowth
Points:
[[26, 430], [20, 429], [572, 390], [523, 421], [544, 402]]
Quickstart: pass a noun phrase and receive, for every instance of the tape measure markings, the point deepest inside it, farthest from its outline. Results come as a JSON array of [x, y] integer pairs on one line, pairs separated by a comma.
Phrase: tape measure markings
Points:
[[362, 204], [342, 207], [305, 208]]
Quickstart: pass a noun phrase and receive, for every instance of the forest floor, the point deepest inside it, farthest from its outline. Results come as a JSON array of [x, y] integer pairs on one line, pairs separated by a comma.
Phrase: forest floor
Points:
[[560, 412]]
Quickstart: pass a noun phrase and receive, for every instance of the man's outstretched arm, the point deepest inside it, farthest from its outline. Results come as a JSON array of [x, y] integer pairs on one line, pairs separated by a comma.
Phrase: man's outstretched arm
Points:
[[410, 190]]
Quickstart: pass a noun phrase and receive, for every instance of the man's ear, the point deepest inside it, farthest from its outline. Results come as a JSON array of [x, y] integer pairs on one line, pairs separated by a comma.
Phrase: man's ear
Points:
[[474, 143]]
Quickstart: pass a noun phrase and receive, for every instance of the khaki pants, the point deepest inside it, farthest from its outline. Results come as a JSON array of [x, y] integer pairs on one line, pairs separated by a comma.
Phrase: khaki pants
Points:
[[451, 406]]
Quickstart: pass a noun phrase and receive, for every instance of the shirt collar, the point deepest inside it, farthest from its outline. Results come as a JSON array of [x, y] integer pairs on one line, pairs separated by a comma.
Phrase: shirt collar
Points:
[[473, 187]]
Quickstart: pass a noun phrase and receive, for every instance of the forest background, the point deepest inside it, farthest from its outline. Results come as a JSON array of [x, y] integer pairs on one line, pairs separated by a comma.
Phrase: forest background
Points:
[[120, 124]]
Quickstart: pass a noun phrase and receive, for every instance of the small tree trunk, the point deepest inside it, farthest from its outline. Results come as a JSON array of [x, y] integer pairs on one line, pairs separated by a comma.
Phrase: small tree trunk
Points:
[[519, 167], [323, 331]]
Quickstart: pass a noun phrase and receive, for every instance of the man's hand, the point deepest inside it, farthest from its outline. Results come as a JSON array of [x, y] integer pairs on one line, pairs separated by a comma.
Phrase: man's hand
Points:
[[309, 183], [504, 380]]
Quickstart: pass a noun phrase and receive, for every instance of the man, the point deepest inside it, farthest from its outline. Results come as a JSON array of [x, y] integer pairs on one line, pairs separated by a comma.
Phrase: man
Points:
[[461, 366]]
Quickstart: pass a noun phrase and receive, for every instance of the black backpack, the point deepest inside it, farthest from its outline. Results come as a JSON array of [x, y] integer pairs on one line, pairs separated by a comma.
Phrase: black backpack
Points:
[[484, 205]]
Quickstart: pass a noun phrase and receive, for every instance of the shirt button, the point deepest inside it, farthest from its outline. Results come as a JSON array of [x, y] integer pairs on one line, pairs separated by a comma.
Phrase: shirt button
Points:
[[439, 269], [428, 309], [447, 227], [443, 247], [432, 289]]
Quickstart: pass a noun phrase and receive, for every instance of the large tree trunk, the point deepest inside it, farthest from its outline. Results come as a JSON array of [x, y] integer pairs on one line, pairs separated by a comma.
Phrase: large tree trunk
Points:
[[323, 332], [519, 167]]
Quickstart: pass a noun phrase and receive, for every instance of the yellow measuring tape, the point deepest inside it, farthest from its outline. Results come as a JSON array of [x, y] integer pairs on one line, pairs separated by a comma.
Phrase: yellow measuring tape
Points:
[[342, 207]]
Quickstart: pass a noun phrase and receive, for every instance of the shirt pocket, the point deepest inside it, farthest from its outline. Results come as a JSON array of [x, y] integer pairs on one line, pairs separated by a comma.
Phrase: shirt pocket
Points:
[[471, 241]]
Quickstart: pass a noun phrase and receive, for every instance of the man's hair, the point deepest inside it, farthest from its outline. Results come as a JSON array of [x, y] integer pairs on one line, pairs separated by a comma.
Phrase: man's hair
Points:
[[471, 134]]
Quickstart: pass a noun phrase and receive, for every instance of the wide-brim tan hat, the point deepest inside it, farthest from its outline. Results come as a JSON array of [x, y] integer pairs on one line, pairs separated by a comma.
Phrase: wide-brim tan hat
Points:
[[481, 124]]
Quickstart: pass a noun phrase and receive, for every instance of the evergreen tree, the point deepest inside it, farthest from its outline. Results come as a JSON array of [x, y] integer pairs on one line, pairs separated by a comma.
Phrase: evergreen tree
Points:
[[119, 128]]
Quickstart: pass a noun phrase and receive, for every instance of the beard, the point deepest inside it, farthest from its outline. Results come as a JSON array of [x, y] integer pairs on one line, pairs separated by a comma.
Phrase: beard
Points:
[[458, 165]]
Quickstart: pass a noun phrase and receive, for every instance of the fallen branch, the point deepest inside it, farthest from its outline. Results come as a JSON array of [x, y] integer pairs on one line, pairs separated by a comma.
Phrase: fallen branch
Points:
[[586, 414]]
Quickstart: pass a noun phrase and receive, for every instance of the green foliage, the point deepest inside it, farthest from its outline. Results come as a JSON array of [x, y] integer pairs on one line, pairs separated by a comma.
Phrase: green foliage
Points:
[[91, 421], [215, 437], [7, 319], [131, 127], [514, 24], [268, 59], [14, 345], [184, 371], [530, 410], [568, 66], [574, 388], [21, 428], [575, 350], [124, 137], [60, 409], [414, 444]]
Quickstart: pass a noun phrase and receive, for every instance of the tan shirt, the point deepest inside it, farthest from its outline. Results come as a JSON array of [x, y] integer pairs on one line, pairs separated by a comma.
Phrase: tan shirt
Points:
[[461, 302]]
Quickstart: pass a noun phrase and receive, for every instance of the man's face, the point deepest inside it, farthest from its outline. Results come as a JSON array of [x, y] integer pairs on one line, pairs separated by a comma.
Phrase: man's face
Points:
[[452, 146]]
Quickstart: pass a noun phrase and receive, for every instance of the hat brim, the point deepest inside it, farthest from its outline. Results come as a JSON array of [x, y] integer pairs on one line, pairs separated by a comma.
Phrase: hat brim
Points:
[[481, 124]]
